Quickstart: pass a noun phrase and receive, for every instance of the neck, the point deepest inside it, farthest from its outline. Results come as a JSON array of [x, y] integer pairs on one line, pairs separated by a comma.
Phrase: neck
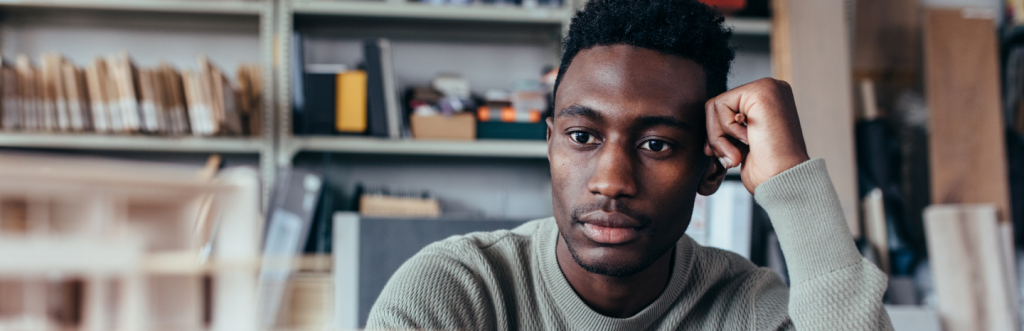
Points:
[[616, 296]]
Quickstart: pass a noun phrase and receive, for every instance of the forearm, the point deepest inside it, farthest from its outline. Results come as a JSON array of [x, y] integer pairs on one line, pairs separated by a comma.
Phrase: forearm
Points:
[[832, 286]]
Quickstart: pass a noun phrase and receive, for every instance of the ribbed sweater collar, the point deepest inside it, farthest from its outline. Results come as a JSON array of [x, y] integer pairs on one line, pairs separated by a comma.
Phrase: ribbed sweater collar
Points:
[[580, 316]]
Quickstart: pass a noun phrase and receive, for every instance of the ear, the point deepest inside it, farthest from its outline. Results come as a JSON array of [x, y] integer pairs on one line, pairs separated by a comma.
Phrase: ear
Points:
[[551, 124], [714, 174], [547, 137]]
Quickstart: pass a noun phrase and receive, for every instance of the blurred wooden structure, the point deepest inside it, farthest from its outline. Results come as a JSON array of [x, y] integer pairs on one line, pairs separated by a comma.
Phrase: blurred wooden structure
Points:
[[811, 50], [91, 244], [976, 287], [967, 146]]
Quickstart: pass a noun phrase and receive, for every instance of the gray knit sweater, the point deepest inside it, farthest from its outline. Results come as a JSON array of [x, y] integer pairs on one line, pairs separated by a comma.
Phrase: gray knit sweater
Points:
[[510, 280]]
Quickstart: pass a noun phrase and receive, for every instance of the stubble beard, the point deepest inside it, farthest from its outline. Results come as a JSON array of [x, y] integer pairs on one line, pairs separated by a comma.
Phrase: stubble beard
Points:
[[608, 269]]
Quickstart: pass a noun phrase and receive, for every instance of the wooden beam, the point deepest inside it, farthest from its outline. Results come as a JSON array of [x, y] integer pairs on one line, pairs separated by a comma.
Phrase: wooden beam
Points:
[[811, 51], [967, 150], [973, 285]]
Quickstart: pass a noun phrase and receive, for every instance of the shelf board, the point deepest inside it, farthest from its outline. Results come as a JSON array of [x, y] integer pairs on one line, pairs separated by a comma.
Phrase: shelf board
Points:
[[234, 7], [384, 9], [477, 148], [131, 143], [750, 26]]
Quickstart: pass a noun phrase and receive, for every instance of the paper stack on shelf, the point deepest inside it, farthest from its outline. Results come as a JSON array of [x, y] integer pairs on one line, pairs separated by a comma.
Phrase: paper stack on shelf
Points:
[[112, 95]]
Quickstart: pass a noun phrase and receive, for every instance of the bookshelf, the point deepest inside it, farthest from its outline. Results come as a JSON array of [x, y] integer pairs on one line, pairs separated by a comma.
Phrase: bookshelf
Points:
[[379, 9], [106, 142], [177, 21], [366, 145], [553, 20], [239, 7]]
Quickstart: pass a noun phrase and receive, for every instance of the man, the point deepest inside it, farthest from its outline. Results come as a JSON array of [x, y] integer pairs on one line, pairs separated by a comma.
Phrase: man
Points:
[[642, 123]]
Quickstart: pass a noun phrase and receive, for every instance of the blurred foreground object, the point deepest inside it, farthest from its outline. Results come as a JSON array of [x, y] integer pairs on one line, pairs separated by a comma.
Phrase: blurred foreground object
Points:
[[967, 146], [811, 50], [95, 244], [974, 277]]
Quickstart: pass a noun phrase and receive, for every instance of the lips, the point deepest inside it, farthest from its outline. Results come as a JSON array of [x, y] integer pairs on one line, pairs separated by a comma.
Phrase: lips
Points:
[[609, 228]]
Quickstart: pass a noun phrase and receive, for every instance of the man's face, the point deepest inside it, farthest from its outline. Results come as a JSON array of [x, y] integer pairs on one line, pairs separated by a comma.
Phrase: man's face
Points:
[[626, 151]]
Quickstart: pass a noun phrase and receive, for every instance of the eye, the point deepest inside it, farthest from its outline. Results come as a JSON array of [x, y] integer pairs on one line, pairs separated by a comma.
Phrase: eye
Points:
[[581, 137], [655, 145]]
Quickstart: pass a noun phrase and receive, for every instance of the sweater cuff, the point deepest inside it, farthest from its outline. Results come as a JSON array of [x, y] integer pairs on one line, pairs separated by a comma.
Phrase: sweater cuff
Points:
[[809, 221]]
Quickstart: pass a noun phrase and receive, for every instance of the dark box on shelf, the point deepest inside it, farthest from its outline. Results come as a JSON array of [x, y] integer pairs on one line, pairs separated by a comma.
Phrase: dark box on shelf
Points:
[[518, 131], [318, 115]]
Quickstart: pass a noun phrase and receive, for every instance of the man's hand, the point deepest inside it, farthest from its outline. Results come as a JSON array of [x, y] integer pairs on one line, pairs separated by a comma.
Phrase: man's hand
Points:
[[755, 125]]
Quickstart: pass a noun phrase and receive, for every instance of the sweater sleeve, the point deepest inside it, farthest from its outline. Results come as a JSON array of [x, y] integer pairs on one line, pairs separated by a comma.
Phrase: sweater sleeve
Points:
[[433, 290], [832, 286]]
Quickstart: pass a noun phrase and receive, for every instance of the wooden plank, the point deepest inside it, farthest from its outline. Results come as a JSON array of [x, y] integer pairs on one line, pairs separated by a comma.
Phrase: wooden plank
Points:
[[811, 51], [970, 273], [967, 150], [887, 41]]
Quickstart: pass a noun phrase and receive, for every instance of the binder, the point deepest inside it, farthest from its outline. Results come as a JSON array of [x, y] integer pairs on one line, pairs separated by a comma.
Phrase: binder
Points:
[[74, 87], [12, 119], [97, 96], [112, 96], [56, 97], [351, 101], [320, 104], [291, 215], [27, 91], [383, 111], [47, 93], [152, 109]]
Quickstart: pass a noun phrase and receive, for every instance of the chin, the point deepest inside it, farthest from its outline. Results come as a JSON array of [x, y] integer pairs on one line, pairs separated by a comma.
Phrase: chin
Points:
[[614, 261]]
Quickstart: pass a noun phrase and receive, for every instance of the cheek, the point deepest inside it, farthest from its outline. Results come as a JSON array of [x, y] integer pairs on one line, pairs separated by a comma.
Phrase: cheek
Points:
[[568, 179], [670, 185]]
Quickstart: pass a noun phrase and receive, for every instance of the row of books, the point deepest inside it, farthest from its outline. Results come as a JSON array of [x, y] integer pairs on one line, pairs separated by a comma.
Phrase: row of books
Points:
[[112, 95]]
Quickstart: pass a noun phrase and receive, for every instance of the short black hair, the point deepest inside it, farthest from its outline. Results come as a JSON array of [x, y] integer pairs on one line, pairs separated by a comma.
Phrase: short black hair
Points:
[[685, 28]]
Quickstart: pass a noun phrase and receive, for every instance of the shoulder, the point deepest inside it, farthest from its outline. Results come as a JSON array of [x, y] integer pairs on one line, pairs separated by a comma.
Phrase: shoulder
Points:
[[479, 247], [725, 272], [446, 285]]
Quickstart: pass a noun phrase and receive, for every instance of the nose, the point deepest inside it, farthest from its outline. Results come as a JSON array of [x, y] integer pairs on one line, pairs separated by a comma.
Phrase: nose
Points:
[[613, 176]]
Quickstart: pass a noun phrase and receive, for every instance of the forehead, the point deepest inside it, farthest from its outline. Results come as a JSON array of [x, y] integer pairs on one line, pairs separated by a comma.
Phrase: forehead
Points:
[[627, 78]]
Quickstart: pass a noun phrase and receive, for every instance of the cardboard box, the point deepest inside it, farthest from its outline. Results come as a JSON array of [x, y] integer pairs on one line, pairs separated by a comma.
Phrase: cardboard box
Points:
[[460, 126]]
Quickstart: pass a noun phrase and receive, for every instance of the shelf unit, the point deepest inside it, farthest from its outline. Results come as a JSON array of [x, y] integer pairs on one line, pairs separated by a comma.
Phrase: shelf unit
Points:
[[277, 146], [263, 145], [186, 144], [240, 7], [431, 12], [290, 145]]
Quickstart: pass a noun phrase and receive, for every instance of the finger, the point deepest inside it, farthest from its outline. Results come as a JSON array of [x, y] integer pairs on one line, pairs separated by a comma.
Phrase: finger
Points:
[[718, 140], [731, 117]]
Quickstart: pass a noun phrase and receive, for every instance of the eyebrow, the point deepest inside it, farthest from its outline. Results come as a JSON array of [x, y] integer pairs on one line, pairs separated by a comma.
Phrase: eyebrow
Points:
[[649, 121], [580, 111], [640, 121]]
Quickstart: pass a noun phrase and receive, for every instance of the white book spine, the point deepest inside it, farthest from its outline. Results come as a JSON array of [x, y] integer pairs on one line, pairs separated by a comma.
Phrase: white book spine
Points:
[[75, 114], [99, 117], [195, 119], [49, 116], [63, 120], [130, 113], [12, 114], [30, 114], [116, 120], [151, 123], [182, 119]]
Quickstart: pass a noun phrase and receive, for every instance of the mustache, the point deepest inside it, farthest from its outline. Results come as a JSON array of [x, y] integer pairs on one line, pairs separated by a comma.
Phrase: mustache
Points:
[[610, 205]]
